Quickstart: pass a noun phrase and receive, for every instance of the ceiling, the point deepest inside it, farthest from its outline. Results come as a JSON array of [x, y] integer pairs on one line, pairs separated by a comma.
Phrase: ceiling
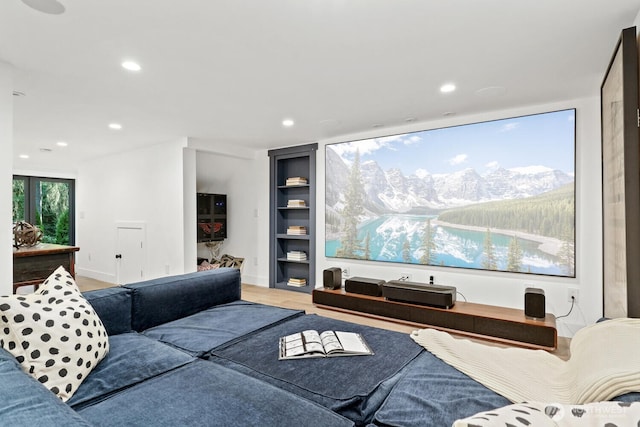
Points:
[[230, 71]]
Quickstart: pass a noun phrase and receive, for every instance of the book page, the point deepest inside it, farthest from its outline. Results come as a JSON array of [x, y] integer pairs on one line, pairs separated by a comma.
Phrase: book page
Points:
[[330, 342], [300, 344], [353, 343], [312, 341], [293, 345]]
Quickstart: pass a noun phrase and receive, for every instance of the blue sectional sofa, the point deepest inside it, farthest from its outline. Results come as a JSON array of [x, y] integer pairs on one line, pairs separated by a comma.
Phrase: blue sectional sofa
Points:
[[187, 351], [144, 381]]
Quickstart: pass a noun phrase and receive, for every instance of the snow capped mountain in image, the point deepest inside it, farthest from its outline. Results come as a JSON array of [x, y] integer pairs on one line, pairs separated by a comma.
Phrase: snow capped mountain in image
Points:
[[391, 191]]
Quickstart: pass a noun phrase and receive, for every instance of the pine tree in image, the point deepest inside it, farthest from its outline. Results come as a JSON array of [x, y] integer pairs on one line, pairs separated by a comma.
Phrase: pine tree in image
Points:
[[406, 251], [514, 255], [367, 246], [567, 251], [489, 262], [350, 246], [428, 245]]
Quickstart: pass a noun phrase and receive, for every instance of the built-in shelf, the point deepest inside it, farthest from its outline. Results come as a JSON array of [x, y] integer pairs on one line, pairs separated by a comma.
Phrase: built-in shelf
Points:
[[293, 236], [295, 261], [286, 163]]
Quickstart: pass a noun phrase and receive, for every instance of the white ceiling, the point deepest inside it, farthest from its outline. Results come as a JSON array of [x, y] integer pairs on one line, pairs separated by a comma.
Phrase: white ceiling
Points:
[[230, 71]]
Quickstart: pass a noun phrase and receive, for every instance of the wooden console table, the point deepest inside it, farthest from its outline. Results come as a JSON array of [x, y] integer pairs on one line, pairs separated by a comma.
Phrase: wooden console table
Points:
[[500, 324], [32, 265]]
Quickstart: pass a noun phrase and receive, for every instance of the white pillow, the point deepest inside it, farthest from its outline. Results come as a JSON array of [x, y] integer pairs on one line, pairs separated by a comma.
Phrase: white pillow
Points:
[[54, 333], [609, 414]]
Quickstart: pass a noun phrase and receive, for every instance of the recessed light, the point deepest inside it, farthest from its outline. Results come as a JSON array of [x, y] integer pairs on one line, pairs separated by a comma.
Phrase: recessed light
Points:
[[448, 87], [377, 125], [24, 156], [131, 66], [18, 93], [410, 119], [115, 126], [287, 123], [45, 150], [61, 144], [448, 113]]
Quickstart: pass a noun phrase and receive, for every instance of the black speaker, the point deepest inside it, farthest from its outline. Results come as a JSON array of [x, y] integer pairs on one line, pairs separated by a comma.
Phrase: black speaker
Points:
[[364, 286], [534, 303], [332, 278]]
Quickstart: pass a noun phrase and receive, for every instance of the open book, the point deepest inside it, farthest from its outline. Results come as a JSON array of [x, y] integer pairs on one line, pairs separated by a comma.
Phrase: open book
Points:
[[326, 344]]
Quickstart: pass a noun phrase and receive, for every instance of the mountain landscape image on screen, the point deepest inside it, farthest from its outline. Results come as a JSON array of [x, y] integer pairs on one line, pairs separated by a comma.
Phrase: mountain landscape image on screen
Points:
[[495, 195]]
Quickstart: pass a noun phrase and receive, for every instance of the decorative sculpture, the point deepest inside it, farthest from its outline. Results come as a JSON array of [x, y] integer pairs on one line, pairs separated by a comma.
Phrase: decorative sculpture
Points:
[[25, 234]]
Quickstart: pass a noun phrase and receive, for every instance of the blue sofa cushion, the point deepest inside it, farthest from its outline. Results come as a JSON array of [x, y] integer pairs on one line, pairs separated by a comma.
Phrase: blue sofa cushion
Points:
[[133, 358], [113, 306], [205, 394], [628, 397], [203, 331], [166, 299], [433, 393], [352, 386], [24, 402]]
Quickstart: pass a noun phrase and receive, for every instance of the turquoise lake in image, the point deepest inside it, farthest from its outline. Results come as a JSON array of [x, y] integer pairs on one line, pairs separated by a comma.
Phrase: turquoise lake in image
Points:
[[455, 247]]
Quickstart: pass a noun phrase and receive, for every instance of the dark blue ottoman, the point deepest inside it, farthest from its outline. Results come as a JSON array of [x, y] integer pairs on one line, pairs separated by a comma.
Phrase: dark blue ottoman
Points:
[[353, 386]]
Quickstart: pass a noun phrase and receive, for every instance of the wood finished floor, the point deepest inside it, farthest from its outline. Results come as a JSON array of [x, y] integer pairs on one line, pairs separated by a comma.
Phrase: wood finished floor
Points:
[[302, 301]]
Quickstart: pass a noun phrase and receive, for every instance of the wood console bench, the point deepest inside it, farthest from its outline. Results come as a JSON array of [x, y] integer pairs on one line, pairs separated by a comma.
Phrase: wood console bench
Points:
[[500, 324]]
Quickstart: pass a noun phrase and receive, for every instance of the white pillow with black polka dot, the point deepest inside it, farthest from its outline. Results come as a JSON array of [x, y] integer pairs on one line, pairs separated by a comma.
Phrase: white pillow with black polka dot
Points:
[[54, 333], [519, 414], [538, 414]]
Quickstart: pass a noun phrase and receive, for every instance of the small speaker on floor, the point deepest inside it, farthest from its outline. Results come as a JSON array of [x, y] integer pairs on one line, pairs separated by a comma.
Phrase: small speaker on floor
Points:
[[332, 278], [534, 303]]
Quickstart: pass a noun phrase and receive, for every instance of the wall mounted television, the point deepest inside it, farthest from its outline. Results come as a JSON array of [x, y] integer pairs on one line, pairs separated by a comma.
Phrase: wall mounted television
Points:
[[496, 195]]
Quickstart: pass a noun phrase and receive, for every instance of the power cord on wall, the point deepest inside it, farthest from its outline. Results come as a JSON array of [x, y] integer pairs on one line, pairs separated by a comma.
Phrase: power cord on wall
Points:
[[573, 301], [463, 297]]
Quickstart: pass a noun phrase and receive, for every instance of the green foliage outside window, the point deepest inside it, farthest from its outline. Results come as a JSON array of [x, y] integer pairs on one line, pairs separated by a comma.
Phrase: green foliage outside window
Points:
[[52, 208], [18, 213]]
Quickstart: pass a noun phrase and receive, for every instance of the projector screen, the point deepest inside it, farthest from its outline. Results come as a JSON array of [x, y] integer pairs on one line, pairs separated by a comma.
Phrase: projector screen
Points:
[[496, 195]]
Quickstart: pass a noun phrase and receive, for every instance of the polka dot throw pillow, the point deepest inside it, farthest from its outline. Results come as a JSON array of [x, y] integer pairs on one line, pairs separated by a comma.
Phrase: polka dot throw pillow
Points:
[[54, 333], [540, 414], [518, 414]]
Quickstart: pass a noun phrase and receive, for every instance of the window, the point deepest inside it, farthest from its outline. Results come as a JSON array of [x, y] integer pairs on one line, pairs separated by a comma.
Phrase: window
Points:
[[49, 204]]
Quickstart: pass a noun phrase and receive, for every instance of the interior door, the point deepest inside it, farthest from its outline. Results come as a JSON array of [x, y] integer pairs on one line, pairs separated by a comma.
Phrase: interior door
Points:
[[130, 253]]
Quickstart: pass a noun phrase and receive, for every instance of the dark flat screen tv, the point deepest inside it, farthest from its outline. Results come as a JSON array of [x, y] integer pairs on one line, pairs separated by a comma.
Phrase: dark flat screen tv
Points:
[[496, 195]]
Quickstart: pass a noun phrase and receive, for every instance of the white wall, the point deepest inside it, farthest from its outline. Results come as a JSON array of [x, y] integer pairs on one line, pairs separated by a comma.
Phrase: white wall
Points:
[[189, 209], [503, 289], [242, 179], [6, 166], [140, 186]]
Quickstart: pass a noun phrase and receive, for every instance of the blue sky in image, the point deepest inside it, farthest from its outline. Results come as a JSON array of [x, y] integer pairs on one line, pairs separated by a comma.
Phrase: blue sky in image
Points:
[[546, 139]]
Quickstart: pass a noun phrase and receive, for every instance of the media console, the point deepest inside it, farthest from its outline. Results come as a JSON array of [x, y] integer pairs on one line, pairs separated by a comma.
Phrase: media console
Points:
[[500, 324]]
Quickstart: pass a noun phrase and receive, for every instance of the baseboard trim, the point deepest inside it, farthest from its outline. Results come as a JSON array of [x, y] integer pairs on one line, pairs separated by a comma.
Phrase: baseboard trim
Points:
[[97, 275]]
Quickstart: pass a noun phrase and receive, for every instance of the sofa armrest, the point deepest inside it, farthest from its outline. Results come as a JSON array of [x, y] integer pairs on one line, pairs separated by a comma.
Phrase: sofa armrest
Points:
[[163, 300]]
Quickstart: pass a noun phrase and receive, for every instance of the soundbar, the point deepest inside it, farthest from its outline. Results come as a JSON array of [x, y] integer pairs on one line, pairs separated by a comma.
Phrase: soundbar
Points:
[[419, 293]]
